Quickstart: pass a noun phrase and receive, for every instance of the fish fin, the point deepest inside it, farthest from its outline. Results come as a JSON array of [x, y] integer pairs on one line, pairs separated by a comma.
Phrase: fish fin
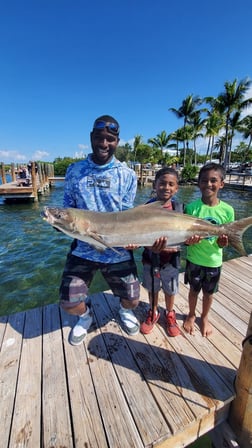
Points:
[[97, 237], [235, 233], [155, 204]]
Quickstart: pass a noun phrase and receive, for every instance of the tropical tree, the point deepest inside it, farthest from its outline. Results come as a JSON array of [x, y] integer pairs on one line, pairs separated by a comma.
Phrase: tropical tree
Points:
[[144, 153], [241, 153], [160, 141], [177, 136], [197, 123], [230, 101], [137, 142], [213, 125], [220, 145], [245, 127], [185, 111], [123, 152]]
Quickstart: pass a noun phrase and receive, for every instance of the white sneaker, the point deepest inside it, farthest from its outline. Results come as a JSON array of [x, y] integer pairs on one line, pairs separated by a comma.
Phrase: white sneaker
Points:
[[80, 330], [129, 321]]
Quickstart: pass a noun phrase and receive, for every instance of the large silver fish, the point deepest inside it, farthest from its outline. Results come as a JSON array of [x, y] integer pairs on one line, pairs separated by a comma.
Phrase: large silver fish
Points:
[[140, 226]]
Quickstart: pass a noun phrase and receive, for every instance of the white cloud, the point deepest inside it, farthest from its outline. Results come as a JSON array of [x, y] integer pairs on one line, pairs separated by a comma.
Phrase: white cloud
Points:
[[130, 142], [83, 147], [12, 156], [248, 110], [39, 155], [82, 153]]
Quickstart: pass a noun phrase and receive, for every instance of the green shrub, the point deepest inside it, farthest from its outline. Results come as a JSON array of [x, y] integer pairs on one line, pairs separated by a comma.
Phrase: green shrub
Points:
[[189, 173]]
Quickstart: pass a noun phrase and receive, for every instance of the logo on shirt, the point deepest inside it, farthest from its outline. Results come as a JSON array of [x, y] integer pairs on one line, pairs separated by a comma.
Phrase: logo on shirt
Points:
[[99, 182]]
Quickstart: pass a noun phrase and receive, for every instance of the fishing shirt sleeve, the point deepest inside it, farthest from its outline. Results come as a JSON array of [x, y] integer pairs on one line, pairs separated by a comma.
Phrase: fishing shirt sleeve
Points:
[[69, 196], [130, 191]]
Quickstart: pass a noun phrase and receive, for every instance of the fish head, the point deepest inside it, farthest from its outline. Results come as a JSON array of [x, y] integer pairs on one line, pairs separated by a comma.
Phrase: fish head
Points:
[[65, 219]]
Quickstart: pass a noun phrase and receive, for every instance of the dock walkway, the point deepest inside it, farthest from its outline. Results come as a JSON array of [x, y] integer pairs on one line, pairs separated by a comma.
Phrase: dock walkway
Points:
[[38, 182], [116, 391]]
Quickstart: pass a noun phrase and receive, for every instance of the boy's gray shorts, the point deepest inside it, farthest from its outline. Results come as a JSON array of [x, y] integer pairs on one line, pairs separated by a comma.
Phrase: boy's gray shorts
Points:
[[168, 279]]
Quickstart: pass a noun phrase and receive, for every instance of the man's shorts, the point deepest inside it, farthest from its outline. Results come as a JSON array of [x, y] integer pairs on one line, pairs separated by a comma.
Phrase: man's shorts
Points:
[[78, 274], [166, 278], [202, 277]]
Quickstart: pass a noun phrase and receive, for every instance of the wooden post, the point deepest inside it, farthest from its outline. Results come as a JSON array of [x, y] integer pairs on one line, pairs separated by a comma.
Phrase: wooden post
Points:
[[34, 182], [240, 417], [3, 173], [13, 173]]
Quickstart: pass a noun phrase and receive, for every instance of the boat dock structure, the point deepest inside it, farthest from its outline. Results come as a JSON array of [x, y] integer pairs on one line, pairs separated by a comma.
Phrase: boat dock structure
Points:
[[43, 177], [117, 391], [39, 180]]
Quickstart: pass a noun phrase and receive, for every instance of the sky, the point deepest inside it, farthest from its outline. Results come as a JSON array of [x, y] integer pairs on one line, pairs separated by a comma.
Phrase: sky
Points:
[[63, 63]]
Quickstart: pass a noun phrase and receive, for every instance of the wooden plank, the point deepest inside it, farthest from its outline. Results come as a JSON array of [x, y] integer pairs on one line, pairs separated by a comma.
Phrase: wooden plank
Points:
[[207, 383], [239, 295], [86, 413], [115, 390], [238, 272], [172, 370], [230, 324], [3, 321], [26, 423], [56, 424], [129, 389], [9, 364]]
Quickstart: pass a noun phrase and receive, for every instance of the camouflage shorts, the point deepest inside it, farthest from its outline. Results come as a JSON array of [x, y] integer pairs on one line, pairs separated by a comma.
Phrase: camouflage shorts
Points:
[[201, 277], [167, 279], [78, 275]]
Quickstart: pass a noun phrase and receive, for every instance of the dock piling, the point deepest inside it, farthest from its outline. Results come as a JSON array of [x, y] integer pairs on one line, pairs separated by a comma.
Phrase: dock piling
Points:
[[241, 409]]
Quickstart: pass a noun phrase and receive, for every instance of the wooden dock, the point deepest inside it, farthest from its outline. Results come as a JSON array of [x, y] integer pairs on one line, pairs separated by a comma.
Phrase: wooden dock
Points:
[[116, 391], [39, 182]]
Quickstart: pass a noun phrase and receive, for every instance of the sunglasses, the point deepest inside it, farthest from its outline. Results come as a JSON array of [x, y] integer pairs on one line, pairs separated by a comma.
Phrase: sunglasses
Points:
[[111, 127]]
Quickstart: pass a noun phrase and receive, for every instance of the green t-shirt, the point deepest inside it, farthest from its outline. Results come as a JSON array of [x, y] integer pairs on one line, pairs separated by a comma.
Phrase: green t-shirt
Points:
[[207, 252]]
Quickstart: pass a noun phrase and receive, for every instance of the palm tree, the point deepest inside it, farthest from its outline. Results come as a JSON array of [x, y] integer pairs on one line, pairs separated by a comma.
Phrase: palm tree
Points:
[[160, 141], [185, 111], [220, 145], [177, 136], [137, 142], [245, 127], [229, 102], [197, 124], [214, 123]]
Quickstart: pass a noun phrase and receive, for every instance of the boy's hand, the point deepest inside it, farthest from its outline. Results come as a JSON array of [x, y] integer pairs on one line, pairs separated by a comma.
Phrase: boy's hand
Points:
[[222, 241], [193, 240], [159, 245], [132, 246]]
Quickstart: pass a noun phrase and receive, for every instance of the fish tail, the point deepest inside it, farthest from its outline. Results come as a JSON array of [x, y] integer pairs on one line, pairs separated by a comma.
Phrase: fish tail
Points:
[[235, 231]]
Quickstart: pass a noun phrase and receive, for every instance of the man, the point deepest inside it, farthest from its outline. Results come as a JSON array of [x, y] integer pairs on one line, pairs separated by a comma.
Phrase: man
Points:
[[100, 183]]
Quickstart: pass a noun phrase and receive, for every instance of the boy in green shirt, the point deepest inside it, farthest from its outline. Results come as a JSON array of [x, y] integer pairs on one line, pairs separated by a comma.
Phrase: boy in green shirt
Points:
[[204, 259]]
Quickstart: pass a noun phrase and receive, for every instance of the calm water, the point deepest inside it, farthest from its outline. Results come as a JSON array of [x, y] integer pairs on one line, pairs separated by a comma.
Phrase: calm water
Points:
[[33, 253]]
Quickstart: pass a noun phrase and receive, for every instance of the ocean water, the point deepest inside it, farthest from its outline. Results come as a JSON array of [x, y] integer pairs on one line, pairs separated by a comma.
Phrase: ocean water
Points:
[[32, 253]]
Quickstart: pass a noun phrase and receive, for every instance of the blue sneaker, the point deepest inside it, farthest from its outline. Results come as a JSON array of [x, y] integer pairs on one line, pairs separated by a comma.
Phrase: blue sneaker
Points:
[[79, 331], [129, 321]]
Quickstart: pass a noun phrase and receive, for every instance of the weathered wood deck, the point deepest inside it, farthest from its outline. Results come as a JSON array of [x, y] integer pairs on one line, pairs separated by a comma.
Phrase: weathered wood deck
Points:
[[115, 390]]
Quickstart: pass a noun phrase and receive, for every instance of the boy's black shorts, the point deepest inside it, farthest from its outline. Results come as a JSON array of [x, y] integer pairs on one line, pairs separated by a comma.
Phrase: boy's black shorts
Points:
[[202, 277]]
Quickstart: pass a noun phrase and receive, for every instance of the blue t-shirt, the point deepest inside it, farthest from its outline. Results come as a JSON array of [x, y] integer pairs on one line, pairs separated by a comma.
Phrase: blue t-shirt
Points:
[[104, 188]]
